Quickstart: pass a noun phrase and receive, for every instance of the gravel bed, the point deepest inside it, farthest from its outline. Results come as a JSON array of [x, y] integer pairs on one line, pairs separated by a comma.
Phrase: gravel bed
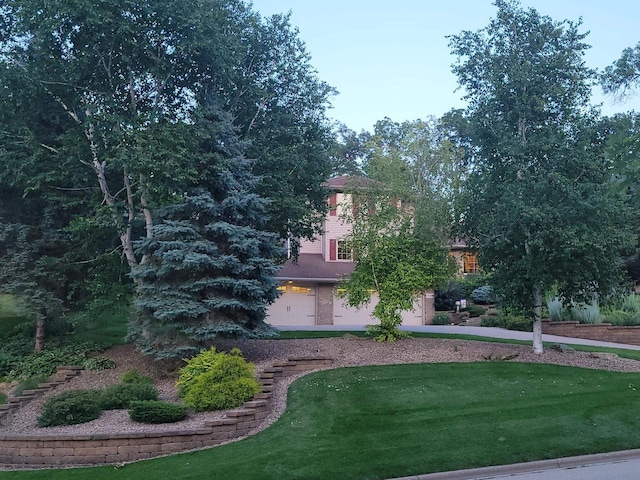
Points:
[[347, 351]]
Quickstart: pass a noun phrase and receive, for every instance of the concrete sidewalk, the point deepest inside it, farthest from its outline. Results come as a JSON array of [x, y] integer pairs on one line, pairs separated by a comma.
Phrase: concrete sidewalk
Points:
[[491, 332], [624, 465]]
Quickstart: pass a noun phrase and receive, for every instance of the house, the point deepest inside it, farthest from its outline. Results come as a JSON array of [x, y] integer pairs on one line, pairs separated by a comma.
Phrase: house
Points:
[[310, 284]]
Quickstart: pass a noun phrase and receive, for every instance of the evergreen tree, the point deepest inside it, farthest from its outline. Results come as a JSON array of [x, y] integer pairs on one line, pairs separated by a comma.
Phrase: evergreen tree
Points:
[[210, 265]]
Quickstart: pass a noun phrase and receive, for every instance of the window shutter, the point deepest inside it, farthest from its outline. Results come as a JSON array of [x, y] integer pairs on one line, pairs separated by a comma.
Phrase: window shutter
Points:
[[333, 204], [333, 247]]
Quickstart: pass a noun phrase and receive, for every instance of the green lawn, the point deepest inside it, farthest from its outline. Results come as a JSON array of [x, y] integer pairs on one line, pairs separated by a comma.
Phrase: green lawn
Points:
[[391, 421]]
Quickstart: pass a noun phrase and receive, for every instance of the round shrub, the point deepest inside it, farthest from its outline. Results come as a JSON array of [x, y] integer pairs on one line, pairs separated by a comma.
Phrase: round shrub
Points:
[[132, 376], [441, 318], [70, 408], [153, 411], [207, 393], [120, 396], [217, 380], [446, 299], [484, 295]]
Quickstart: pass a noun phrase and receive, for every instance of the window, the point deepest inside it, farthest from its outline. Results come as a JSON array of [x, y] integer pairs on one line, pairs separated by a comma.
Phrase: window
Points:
[[470, 262], [297, 289], [344, 252], [333, 204]]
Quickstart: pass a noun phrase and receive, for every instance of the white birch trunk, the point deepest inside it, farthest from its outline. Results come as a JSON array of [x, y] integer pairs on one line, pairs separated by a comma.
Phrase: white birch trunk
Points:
[[537, 322]]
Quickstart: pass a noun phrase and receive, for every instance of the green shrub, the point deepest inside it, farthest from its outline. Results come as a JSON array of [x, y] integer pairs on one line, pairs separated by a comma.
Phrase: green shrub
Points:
[[216, 380], [97, 364], [484, 295], [28, 384], [587, 314], [207, 393], [446, 298], [132, 376], [45, 363], [508, 321], [619, 318], [69, 408], [475, 310], [207, 360], [555, 309], [441, 318], [152, 411], [120, 396], [3, 398]]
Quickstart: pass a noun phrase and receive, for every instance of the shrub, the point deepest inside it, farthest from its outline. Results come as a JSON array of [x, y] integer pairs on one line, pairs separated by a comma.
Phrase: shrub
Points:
[[3, 398], [475, 310], [619, 318], [508, 321], [588, 314], [216, 380], [97, 364], [69, 408], [153, 411], [121, 395], [207, 393], [555, 309], [132, 376], [484, 295], [446, 299], [441, 318]]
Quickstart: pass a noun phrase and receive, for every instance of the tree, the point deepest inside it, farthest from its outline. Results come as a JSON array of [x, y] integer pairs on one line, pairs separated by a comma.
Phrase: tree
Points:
[[391, 259], [99, 102], [624, 74], [211, 266], [539, 204]]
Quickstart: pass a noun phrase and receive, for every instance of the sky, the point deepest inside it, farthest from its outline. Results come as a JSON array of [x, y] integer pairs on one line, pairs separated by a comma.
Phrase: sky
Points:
[[391, 58]]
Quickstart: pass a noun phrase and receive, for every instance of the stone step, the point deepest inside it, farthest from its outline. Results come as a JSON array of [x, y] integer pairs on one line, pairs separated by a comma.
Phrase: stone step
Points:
[[35, 391], [19, 399]]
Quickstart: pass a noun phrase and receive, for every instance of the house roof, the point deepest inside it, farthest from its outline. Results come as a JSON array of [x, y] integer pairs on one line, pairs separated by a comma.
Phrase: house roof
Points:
[[312, 266], [350, 181]]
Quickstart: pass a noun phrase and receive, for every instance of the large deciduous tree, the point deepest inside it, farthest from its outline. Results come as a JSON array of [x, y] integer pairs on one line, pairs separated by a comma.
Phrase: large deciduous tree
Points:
[[99, 102], [539, 203]]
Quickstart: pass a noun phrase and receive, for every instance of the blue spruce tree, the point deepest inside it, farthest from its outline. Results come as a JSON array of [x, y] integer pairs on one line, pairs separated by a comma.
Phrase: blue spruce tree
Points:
[[210, 265]]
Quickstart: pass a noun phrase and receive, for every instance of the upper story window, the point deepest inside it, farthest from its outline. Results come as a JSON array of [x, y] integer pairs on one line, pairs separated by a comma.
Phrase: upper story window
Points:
[[333, 204], [470, 262], [344, 252]]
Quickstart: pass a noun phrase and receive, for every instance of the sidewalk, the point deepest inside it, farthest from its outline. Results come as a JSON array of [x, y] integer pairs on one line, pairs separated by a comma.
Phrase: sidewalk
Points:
[[624, 465]]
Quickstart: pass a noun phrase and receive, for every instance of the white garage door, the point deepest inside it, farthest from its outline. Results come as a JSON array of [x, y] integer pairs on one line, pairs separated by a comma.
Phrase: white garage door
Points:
[[345, 315], [295, 306]]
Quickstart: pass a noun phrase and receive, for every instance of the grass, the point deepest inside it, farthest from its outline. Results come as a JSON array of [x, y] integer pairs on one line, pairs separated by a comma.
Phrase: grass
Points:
[[389, 421]]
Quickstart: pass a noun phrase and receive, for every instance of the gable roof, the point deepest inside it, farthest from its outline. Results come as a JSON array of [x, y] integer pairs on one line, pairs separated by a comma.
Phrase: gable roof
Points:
[[350, 181]]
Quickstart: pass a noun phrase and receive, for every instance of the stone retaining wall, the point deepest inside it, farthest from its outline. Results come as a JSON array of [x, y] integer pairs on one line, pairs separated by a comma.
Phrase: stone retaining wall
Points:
[[61, 450], [604, 332]]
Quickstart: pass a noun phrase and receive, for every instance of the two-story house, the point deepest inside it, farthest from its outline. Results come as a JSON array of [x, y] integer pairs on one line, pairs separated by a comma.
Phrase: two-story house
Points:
[[309, 286]]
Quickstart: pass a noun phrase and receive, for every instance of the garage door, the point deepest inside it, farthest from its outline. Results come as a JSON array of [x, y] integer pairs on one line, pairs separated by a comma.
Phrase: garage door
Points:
[[295, 306], [345, 315]]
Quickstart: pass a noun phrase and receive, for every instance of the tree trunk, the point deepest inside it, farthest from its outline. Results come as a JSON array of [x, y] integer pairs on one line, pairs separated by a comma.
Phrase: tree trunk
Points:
[[537, 321], [40, 334]]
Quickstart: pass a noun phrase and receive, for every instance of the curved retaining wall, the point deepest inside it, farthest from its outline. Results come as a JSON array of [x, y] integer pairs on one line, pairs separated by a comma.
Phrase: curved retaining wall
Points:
[[603, 332], [61, 450]]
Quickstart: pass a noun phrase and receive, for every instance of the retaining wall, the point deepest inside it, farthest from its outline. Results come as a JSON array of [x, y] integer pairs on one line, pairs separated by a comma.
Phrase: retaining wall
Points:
[[604, 332], [61, 450]]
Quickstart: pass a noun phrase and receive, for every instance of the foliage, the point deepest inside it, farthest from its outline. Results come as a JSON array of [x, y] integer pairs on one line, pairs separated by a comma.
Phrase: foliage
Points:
[[217, 380], [441, 318], [507, 320], [153, 411], [210, 265], [475, 310], [121, 395], [445, 299], [484, 295], [45, 363], [624, 312], [132, 376], [3, 398], [392, 258], [624, 74], [70, 408], [28, 384], [586, 313], [555, 309], [539, 204], [210, 394]]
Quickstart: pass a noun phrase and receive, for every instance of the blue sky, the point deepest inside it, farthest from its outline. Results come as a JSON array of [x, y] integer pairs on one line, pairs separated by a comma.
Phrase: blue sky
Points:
[[390, 58]]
